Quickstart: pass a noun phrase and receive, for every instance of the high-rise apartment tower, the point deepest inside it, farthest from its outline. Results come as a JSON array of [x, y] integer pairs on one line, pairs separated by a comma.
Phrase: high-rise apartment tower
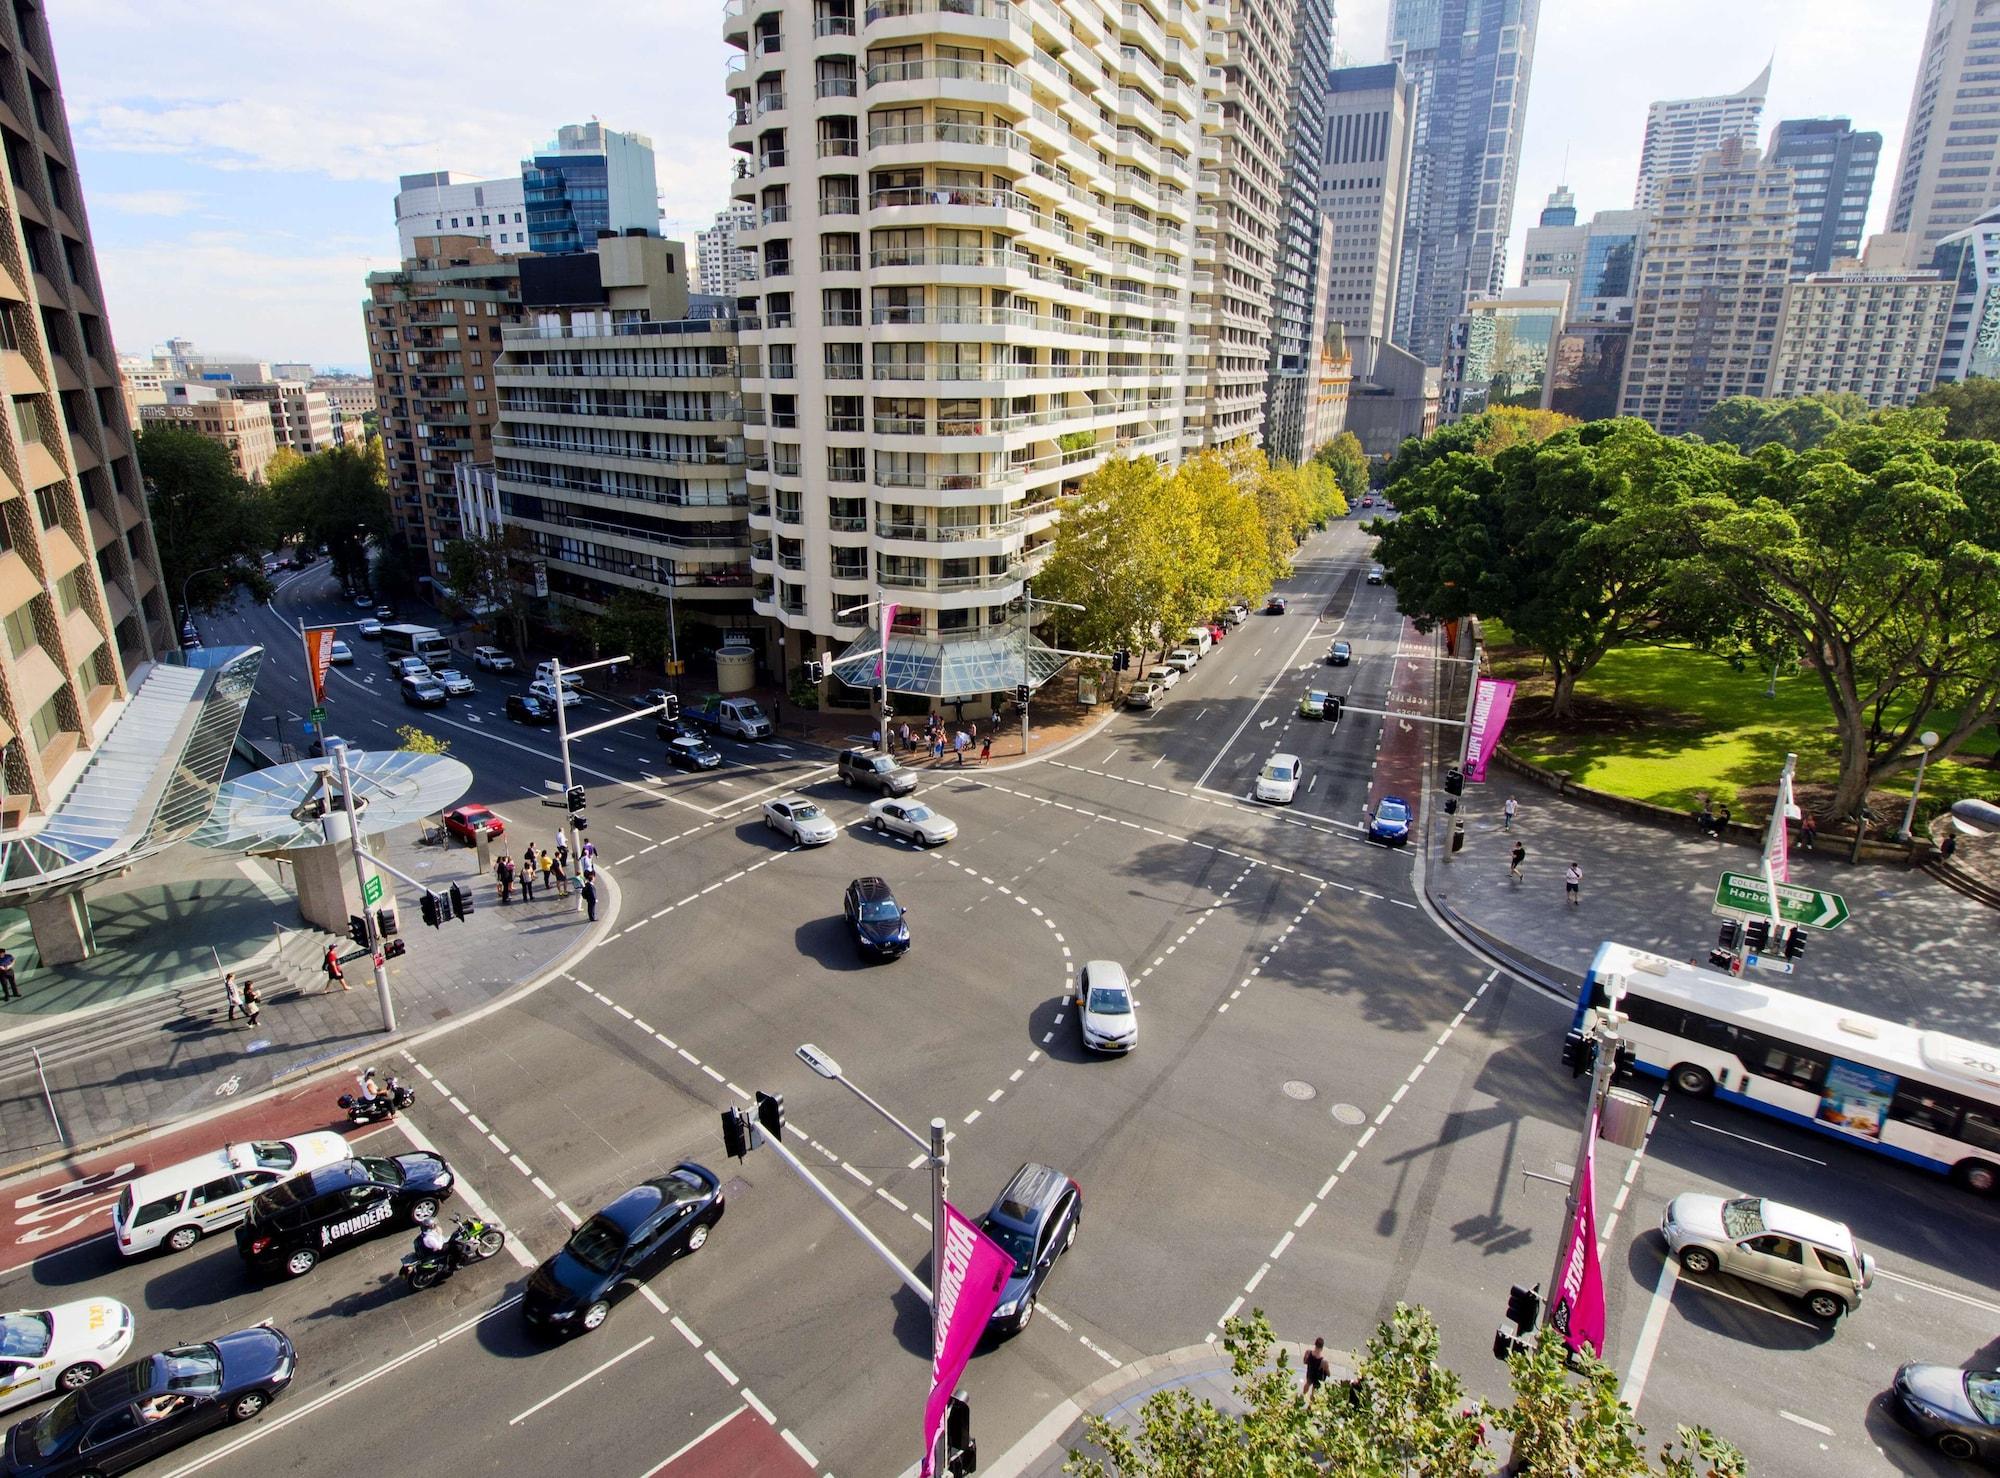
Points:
[[1950, 170], [1833, 174], [1681, 132]]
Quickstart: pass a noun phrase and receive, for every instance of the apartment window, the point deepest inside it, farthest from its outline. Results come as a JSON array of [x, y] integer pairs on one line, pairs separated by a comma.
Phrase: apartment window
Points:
[[46, 723], [20, 628], [27, 421], [479, 382]]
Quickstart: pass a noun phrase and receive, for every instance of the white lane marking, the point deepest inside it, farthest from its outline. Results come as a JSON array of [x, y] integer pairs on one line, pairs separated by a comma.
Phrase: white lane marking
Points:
[[1761, 1144], [477, 1202], [799, 1447], [720, 1369], [1964, 1298], [686, 1448], [1649, 1335], [770, 1416], [1805, 1422], [580, 1380]]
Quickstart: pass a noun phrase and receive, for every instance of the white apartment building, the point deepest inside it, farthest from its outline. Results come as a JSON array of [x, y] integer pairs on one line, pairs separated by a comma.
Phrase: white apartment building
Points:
[[444, 202], [1681, 132], [301, 417], [1877, 333], [723, 265], [995, 244]]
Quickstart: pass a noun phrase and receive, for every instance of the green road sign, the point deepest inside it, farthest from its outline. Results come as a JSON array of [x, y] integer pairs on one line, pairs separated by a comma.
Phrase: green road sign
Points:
[[318, 715], [371, 891], [1744, 893]]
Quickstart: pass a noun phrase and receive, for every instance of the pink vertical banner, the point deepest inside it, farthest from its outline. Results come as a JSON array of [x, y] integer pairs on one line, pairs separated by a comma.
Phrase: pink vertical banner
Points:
[[1577, 1308], [1490, 708], [967, 1291]]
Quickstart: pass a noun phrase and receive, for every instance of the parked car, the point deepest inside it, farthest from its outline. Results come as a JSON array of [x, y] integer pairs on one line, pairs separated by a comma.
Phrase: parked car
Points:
[[1956, 1411], [492, 659], [622, 1246], [1034, 1220], [454, 682], [526, 708], [152, 1406], [1275, 606], [879, 924], [1340, 654], [1390, 825], [1105, 1012], [44, 1352], [1182, 659], [343, 654], [369, 628], [1145, 693], [1782, 1247], [1278, 781], [177, 1205], [866, 770], [543, 689], [692, 752], [912, 819], [464, 822], [424, 692], [1167, 677], [801, 820], [293, 1225], [1312, 703], [1376, 574]]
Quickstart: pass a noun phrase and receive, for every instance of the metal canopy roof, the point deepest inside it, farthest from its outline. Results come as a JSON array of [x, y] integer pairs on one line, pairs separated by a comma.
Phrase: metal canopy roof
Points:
[[149, 783], [286, 805], [946, 667]]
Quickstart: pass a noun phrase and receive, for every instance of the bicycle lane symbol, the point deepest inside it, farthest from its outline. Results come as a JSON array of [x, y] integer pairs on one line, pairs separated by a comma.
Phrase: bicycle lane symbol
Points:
[[79, 1201]]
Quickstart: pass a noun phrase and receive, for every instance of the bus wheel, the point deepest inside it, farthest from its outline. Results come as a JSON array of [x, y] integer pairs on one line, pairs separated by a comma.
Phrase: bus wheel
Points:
[[1977, 1176], [1691, 1080]]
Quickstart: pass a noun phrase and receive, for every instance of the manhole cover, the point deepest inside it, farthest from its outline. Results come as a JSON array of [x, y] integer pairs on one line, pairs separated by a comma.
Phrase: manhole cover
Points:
[[1300, 1091], [1347, 1113]]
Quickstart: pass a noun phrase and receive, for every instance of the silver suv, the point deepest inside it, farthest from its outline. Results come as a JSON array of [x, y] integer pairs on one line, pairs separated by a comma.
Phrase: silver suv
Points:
[[876, 772], [1781, 1247]]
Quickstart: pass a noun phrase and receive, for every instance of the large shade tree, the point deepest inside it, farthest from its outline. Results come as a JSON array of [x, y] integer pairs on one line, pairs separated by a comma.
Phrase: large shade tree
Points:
[[210, 525]]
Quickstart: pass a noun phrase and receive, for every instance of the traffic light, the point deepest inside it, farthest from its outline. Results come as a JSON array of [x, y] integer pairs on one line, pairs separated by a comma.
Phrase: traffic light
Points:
[[1730, 935], [1454, 781], [357, 929], [1021, 694], [1757, 934], [1624, 1057], [1121, 660], [735, 1132], [1524, 1313], [574, 798], [1795, 944], [1332, 707], [771, 1113], [1579, 1053], [672, 710], [461, 902], [385, 923], [432, 908], [1451, 805], [961, 1452], [815, 672]]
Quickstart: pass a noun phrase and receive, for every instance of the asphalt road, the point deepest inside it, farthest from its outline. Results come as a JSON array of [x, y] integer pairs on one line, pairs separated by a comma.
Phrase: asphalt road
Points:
[[1333, 1107]]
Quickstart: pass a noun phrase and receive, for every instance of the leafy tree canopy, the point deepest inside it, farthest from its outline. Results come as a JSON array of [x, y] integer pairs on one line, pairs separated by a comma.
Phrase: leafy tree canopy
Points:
[[1971, 409], [210, 525], [1799, 424], [339, 498]]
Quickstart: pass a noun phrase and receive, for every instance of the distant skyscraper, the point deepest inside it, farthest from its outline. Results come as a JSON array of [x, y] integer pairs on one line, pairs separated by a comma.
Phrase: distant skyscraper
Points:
[[1555, 247], [722, 264], [1295, 308], [1711, 288], [1950, 172], [1681, 132], [1470, 61], [1362, 190], [442, 201], [1833, 174], [1561, 209], [591, 179], [1970, 258]]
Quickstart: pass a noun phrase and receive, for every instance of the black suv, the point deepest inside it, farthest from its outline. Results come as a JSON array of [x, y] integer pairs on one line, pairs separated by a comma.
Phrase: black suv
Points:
[[292, 1226], [877, 921], [1035, 1219], [877, 772], [526, 708]]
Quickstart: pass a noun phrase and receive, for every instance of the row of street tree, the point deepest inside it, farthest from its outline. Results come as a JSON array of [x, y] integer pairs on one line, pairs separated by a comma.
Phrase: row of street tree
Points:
[[1865, 544]]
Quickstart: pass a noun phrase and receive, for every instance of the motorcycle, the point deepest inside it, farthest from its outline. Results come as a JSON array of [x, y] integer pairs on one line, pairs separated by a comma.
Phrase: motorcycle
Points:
[[472, 1240], [394, 1095]]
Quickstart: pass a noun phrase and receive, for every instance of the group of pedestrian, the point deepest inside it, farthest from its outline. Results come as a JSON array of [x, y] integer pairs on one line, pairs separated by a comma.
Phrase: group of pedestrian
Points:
[[1572, 875], [244, 998], [936, 740]]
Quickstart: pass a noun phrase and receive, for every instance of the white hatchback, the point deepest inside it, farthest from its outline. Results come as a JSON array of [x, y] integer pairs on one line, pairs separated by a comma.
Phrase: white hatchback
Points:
[[1105, 1009], [1278, 781], [178, 1206]]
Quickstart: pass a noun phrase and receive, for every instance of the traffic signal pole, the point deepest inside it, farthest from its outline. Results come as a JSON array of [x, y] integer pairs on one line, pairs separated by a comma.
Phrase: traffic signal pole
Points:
[[361, 859]]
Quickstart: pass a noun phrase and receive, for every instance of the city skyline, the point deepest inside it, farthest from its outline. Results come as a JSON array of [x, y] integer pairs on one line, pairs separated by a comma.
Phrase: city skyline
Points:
[[245, 213]]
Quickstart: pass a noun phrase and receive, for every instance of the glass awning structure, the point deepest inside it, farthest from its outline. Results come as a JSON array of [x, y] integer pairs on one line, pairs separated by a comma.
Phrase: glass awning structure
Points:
[[150, 782], [945, 668], [286, 806]]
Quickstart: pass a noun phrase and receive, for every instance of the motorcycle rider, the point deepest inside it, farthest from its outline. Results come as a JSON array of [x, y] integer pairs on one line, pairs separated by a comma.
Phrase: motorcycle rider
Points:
[[431, 1238]]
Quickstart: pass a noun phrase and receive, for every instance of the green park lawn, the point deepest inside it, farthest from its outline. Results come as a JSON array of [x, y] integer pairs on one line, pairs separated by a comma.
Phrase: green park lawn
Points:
[[1668, 724]]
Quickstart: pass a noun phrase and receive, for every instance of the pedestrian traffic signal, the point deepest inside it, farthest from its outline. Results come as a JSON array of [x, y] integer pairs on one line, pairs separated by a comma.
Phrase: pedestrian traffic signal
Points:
[[1579, 1053], [771, 1113], [574, 798], [432, 908], [357, 929], [1795, 944], [1757, 934], [1451, 805], [1332, 707], [461, 902], [1730, 935], [1524, 1313], [671, 707], [1121, 660], [1624, 1057], [961, 1452], [735, 1132], [1454, 782], [1021, 694], [815, 672]]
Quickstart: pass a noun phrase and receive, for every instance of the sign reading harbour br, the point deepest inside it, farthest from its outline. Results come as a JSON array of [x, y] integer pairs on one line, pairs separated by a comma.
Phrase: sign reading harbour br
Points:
[[1745, 893]]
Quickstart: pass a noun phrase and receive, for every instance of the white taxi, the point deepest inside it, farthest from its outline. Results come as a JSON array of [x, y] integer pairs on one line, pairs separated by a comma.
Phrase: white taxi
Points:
[[45, 1352], [183, 1203]]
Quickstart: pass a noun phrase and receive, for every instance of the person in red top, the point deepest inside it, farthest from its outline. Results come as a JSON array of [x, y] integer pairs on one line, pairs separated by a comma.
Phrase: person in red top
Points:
[[334, 974]]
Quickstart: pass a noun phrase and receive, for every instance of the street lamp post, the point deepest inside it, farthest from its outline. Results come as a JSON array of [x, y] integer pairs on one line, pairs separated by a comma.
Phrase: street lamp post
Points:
[[187, 615], [880, 605], [934, 1150], [556, 674], [1929, 740], [361, 882]]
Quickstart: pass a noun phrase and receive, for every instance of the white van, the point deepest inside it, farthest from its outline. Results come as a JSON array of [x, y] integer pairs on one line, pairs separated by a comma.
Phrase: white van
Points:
[[183, 1203], [1201, 639], [545, 672]]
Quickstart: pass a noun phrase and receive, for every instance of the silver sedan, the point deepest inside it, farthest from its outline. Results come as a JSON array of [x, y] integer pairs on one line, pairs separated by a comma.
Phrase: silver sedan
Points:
[[801, 820], [914, 820]]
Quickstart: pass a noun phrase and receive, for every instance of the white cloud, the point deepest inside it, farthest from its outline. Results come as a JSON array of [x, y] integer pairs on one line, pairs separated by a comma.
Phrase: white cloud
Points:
[[146, 202]]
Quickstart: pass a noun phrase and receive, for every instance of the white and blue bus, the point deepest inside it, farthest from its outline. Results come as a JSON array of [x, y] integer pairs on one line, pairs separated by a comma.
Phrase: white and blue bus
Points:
[[1925, 1097]]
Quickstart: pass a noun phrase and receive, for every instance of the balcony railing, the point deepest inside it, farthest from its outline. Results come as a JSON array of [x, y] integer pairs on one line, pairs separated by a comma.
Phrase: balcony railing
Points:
[[946, 133], [899, 580], [945, 69], [769, 102], [969, 196], [840, 205], [942, 534], [990, 9], [836, 87]]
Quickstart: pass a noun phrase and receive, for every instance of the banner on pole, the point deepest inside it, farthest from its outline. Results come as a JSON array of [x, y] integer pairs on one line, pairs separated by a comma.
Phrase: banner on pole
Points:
[[1577, 1309], [967, 1290], [1490, 707], [888, 621], [319, 657], [1778, 836]]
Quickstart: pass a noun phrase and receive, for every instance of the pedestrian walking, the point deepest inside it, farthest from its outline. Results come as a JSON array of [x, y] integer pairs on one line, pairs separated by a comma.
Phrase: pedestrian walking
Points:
[[586, 867], [974, 731], [560, 876], [986, 749], [503, 874], [1945, 847], [937, 745], [590, 897], [562, 854], [1515, 860], [10, 985], [1317, 1368], [334, 974], [958, 745], [903, 734], [253, 1003], [232, 993], [548, 866], [526, 874], [589, 850], [1507, 815], [1572, 885], [1809, 832]]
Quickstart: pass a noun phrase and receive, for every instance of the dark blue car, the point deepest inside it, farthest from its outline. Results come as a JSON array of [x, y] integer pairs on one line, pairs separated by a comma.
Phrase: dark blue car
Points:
[[1390, 825], [622, 1246], [880, 928]]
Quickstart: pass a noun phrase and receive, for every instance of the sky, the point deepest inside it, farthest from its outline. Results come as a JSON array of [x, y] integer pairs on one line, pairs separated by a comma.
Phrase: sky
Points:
[[240, 176]]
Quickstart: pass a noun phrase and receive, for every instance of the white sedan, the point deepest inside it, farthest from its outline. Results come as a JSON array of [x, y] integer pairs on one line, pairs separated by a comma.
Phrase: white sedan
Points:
[[1278, 781], [44, 1352], [801, 820], [912, 819], [454, 682], [1106, 1012]]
